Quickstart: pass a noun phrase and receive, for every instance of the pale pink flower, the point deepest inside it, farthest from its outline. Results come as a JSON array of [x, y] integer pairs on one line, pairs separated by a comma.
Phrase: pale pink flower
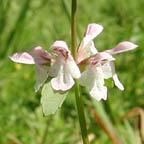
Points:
[[60, 65], [64, 69], [100, 65], [38, 56]]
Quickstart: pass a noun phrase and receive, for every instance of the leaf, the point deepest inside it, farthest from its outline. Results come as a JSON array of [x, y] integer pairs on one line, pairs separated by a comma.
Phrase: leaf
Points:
[[135, 112], [104, 116], [104, 126], [51, 100], [109, 82], [130, 133]]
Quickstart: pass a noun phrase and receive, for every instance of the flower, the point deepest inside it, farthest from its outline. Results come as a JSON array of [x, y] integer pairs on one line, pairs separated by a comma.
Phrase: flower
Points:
[[100, 65], [38, 56], [59, 65], [64, 69]]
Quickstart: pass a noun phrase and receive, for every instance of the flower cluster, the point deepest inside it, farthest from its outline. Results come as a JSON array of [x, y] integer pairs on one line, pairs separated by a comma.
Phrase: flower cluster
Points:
[[61, 66]]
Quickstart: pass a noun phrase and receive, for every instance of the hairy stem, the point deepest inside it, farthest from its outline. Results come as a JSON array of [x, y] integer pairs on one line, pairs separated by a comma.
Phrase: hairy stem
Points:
[[78, 97]]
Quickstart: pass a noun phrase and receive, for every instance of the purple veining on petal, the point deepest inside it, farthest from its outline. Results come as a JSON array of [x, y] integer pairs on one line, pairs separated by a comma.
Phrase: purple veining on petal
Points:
[[60, 47], [40, 52]]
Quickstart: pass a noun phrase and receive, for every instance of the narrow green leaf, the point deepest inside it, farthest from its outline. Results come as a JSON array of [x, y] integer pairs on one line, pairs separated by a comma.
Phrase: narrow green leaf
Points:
[[102, 113], [51, 100]]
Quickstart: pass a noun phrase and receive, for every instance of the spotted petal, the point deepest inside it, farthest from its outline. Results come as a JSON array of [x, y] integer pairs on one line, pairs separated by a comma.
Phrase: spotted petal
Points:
[[60, 47], [22, 57], [59, 44]]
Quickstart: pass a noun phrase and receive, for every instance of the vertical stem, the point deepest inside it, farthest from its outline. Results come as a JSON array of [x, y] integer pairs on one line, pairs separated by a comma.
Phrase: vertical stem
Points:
[[81, 115], [46, 130], [73, 28], [78, 97]]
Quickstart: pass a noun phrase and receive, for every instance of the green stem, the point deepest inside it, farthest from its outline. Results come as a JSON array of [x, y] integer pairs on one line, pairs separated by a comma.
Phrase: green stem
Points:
[[73, 29], [78, 97], [81, 115], [46, 130]]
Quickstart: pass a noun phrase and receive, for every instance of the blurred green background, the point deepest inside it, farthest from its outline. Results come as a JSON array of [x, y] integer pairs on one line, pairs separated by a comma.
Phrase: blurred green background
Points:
[[26, 23]]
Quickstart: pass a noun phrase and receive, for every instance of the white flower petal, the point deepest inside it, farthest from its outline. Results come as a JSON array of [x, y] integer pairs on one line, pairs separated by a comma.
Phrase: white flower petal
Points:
[[93, 30], [117, 82], [98, 92], [86, 49], [22, 57], [93, 79], [72, 67], [41, 76], [107, 70], [63, 81], [122, 47], [54, 69], [62, 75], [87, 77], [115, 77], [101, 57], [60, 47]]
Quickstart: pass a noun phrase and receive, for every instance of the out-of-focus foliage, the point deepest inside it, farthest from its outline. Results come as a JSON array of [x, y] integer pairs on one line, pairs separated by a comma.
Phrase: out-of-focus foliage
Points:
[[26, 23]]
